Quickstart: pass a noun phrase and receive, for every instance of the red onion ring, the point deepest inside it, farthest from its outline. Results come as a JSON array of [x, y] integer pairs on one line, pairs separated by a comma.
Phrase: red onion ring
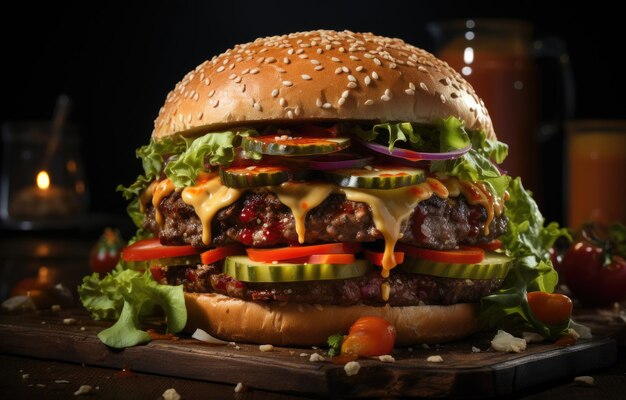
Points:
[[414, 155]]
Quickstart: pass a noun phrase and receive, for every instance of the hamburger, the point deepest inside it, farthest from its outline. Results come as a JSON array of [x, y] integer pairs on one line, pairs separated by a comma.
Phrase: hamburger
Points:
[[296, 183]]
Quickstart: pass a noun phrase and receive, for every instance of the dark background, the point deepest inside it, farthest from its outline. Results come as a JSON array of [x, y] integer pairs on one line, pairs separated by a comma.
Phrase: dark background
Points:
[[118, 61]]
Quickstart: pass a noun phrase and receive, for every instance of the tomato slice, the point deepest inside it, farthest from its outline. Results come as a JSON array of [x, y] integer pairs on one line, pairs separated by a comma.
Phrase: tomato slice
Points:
[[491, 246], [331, 259], [157, 274], [219, 253], [149, 249], [462, 256], [376, 257], [285, 253]]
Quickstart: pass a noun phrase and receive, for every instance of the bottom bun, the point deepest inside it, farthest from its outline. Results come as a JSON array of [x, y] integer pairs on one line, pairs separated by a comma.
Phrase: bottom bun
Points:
[[310, 325]]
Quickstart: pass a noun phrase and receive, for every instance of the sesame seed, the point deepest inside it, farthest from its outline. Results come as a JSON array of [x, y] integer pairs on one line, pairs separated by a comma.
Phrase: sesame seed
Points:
[[341, 101], [354, 58], [288, 83], [423, 86], [216, 102], [299, 51], [303, 56], [211, 93], [368, 102], [282, 102], [351, 78], [444, 81], [342, 50], [384, 97], [328, 47], [345, 94], [377, 61], [279, 69], [238, 79], [270, 60], [243, 88], [367, 80], [245, 71], [260, 60], [200, 115], [232, 76], [315, 62], [351, 85], [442, 98], [345, 69], [254, 71], [290, 52], [195, 96], [286, 60], [274, 92], [257, 106], [338, 70], [392, 65], [421, 68], [368, 55], [290, 114], [220, 69], [297, 110], [359, 68], [410, 63], [320, 51], [335, 59], [326, 106], [374, 75], [319, 102], [319, 68], [409, 91], [306, 77], [231, 66], [411, 86]]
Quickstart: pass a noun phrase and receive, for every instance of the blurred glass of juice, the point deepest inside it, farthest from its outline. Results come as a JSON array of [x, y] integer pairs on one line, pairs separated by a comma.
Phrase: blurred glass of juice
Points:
[[597, 171]]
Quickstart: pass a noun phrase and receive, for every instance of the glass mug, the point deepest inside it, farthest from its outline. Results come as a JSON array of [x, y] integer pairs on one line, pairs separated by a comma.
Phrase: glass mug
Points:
[[498, 57], [597, 171]]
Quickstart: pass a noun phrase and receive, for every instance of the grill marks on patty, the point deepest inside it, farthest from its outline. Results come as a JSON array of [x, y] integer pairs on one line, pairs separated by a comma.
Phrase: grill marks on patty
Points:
[[259, 219]]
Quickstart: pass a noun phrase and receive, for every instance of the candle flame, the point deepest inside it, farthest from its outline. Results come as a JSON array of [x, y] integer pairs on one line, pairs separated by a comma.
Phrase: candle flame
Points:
[[43, 180]]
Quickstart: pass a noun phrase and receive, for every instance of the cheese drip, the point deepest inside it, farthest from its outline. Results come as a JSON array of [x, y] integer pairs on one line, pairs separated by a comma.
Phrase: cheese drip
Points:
[[301, 198], [146, 196], [390, 210], [207, 197], [161, 191]]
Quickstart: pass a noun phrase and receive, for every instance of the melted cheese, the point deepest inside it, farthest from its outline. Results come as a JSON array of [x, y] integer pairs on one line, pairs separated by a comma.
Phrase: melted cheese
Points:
[[161, 191], [146, 196], [301, 198], [207, 197]]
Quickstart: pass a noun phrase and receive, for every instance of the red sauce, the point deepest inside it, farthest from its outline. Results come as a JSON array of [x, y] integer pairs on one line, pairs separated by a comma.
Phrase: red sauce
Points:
[[160, 336]]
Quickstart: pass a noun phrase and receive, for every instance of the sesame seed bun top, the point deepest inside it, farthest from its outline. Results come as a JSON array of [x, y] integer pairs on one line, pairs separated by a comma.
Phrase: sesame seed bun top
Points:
[[319, 75]]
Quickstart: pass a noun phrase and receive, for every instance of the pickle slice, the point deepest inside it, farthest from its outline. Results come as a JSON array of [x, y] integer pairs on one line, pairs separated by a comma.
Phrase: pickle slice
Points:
[[294, 146], [258, 175], [244, 269], [494, 265], [377, 177]]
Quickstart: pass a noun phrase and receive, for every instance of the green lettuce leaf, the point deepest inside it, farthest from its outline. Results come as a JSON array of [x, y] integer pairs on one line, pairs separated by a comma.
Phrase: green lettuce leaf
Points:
[[527, 241], [129, 296], [492, 149], [214, 148]]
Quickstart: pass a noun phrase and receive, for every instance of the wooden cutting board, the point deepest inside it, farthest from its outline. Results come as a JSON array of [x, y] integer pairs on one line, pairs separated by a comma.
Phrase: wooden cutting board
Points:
[[462, 373]]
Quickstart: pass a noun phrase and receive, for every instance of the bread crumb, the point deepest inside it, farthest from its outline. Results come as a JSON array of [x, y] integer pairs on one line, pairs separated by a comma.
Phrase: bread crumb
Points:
[[304, 354], [61, 381], [69, 321], [43, 322], [505, 342], [315, 357], [240, 388], [41, 385], [475, 349], [82, 328], [387, 358], [25, 376], [237, 348], [434, 359], [425, 346], [170, 394], [266, 347], [56, 307], [85, 389], [584, 380], [352, 368]]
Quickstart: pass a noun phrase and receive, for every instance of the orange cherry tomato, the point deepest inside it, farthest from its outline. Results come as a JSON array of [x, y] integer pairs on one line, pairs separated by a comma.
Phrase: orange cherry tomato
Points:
[[369, 336], [550, 308]]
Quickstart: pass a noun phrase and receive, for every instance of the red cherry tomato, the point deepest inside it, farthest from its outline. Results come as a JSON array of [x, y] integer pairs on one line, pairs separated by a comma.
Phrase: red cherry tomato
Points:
[[106, 252], [595, 270], [369, 336], [550, 308], [150, 249]]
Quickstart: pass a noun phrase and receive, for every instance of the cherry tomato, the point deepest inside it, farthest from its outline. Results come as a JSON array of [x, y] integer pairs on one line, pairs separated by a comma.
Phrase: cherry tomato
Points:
[[595, 270], [369, 336], [286, 253], [150, 249], [106, 252], [550, 308], [469, 255], [219, 253]]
